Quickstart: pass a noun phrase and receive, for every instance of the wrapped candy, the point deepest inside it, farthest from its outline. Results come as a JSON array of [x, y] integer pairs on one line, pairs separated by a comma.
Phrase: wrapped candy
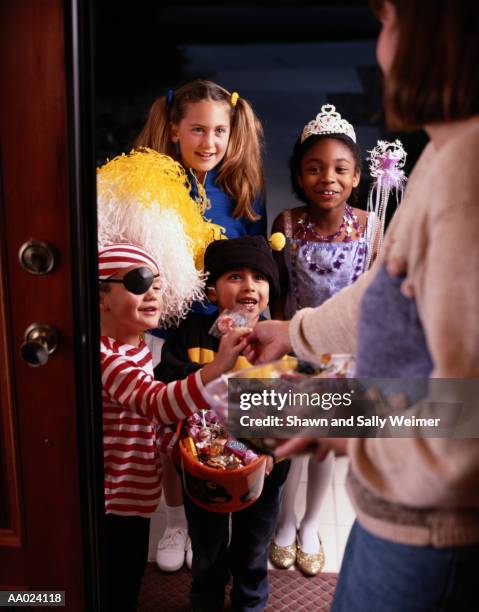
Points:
[[208, 441], [249, 457], [337, 365], [228, 320], [211, 418], [237, 448], [194, 431], [194, 419], [191, 446]]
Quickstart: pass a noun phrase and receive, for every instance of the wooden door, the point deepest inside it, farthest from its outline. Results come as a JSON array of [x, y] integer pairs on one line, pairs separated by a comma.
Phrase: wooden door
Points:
[[50, 440]]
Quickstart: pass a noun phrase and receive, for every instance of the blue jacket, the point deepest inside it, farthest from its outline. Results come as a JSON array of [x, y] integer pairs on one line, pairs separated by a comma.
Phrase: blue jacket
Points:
[[222, 207], [221, 213]]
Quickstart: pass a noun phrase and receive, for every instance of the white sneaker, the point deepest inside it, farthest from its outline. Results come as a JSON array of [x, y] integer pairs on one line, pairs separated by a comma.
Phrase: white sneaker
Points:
[[189, 553], [170, 554]]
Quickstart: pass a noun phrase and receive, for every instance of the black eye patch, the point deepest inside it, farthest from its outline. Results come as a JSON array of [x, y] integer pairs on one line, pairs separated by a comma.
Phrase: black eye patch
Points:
[[136, 281]]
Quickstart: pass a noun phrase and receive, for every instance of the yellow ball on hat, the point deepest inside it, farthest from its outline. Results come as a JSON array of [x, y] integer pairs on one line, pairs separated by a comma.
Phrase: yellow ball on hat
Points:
[[277, 241]]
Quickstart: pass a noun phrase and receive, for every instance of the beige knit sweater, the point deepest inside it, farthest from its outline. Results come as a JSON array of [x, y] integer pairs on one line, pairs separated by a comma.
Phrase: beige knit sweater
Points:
[[412, 490]]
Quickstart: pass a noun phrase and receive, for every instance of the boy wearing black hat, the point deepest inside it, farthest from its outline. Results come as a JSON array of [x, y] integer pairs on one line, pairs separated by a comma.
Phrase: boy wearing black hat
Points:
[[242, 275]]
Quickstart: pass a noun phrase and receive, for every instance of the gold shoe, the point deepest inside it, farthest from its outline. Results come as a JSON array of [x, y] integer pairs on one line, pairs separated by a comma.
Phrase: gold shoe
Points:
[[282, 557], [310, 563]]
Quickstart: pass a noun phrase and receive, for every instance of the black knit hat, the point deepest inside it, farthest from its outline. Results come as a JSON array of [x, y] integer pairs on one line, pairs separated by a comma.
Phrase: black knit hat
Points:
[[246, 251]]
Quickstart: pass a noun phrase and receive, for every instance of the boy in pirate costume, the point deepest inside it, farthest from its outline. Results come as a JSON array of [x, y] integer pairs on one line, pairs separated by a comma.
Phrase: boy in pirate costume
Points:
[[147, 277]]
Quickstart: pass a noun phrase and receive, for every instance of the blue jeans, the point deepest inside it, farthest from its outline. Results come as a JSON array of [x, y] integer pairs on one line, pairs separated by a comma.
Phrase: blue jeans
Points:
[[378, 575], [245, 558]]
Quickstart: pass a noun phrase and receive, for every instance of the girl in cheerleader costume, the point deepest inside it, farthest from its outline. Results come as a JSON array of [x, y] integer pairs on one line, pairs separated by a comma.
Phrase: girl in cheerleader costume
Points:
[[217, 138]]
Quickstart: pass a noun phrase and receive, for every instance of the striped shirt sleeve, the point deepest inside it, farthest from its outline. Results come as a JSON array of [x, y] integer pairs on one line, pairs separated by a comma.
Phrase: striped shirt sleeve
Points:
[[136, 390]]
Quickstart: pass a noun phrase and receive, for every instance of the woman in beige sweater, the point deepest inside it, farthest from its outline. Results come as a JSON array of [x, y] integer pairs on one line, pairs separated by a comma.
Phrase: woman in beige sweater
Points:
[[415, 544]]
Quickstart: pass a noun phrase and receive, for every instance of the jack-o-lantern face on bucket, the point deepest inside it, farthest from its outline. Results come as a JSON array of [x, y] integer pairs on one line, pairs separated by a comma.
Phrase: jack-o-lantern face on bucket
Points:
[[222, 490]]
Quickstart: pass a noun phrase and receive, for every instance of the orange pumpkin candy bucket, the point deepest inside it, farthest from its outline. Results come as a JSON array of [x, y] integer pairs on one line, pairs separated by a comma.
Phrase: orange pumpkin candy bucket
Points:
[[219, 490]]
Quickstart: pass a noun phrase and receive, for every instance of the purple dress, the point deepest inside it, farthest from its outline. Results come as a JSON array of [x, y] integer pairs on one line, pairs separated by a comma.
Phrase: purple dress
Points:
[[318, 270]]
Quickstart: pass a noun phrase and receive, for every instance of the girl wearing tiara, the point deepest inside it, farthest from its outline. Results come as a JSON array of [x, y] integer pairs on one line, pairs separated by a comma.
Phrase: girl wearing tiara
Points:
[[327, 246], [215, 135]]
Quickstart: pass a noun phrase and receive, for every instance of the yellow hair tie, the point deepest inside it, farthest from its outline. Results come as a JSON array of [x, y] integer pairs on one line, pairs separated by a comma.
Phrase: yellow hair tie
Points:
[[234, 98]]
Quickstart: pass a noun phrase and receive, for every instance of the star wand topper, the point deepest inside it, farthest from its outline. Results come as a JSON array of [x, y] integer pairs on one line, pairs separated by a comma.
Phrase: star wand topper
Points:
[[387, 161]]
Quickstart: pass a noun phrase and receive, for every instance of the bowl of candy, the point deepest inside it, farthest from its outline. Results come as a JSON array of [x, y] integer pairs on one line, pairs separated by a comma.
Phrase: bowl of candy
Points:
[[217, 390], [288, 369], [283, 376], [219, 473]]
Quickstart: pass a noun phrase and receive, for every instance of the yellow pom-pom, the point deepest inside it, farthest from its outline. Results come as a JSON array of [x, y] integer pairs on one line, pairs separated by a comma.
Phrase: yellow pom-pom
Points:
[[144, 198], [277, 241], [153, 181]]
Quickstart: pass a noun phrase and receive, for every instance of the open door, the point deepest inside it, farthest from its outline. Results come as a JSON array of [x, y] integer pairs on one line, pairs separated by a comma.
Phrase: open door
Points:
[[50, 418]]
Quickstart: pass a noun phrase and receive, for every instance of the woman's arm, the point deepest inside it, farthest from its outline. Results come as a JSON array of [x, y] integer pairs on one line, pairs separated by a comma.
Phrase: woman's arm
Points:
[[331, 327], [440, 472]]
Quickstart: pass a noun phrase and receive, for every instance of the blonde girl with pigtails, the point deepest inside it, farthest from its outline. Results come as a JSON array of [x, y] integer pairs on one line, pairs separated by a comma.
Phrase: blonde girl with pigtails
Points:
[[216, 136]]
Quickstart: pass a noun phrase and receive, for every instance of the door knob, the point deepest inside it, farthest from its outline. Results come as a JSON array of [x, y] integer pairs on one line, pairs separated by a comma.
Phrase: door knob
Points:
[[41, 341], [37, 257]]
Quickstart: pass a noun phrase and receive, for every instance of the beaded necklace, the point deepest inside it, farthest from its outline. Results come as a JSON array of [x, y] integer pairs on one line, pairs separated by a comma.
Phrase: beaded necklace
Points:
[[306, 231]]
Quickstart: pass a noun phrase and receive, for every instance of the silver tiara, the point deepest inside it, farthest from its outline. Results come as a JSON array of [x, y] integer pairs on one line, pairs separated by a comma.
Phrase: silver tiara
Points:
[[328, 121]]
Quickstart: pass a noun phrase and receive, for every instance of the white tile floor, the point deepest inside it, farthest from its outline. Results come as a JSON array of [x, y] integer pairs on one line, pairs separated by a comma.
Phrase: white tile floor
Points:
[[335, 518]]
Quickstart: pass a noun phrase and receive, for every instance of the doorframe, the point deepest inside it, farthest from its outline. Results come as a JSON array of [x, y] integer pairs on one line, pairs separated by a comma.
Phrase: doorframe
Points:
[[79, 48]]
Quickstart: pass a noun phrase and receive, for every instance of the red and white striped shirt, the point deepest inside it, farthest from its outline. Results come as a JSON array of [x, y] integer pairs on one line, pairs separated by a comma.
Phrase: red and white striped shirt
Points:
[[135, 406]]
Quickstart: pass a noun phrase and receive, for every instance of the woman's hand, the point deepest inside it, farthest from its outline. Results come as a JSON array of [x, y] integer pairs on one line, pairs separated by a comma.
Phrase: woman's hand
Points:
[[396, 265], [268, 341]]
